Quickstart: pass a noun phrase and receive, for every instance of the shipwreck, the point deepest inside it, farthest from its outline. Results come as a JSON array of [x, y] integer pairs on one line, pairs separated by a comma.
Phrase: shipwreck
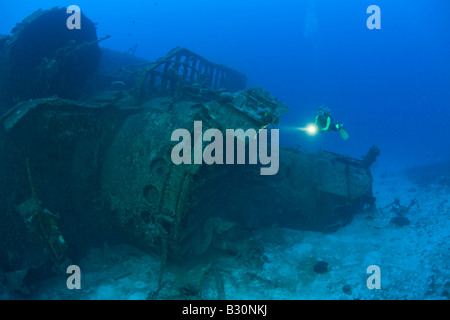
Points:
[[88, 163]]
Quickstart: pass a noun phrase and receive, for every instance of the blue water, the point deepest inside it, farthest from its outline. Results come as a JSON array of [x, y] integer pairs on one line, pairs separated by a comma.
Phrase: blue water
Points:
[[390, 87]]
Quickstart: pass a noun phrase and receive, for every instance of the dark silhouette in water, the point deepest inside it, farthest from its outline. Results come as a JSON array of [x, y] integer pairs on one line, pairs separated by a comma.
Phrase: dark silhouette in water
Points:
[[42, 59]]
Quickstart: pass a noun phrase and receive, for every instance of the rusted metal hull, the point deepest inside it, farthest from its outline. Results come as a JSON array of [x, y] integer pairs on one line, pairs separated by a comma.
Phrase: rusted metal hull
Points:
[[108, 171], [78, 173]]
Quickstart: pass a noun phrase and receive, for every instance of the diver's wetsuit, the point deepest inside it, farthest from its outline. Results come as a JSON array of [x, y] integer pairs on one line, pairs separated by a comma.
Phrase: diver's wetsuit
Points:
[[325, 122]]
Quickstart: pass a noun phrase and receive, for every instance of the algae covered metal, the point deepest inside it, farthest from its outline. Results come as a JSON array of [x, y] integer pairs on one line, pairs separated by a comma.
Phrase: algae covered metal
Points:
[[78, 172], [104, 168]]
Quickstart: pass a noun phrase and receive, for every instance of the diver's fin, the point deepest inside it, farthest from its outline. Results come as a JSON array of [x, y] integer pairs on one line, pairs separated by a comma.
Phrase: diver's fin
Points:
[[343, 133]]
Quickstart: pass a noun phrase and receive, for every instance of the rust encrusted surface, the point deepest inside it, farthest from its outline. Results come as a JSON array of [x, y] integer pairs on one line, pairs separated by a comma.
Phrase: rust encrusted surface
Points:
[[104, 166]]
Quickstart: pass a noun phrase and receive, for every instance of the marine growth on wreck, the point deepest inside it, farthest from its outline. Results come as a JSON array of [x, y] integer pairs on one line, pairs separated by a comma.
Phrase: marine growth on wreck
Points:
[[85, 148]]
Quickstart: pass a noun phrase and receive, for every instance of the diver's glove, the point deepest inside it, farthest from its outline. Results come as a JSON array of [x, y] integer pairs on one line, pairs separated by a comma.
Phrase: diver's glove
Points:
[[339, 126]]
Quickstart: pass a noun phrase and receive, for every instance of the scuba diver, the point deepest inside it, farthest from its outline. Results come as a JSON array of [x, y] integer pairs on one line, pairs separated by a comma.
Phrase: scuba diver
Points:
[[325, 122]]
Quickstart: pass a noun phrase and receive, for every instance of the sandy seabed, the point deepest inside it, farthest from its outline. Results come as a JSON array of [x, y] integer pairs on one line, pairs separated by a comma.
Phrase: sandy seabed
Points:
[[414, 259]]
